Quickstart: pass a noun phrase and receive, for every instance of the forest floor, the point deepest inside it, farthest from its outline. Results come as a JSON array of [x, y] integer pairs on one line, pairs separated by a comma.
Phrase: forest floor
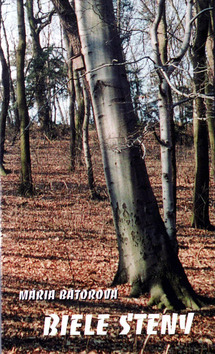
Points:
[[61, 239]]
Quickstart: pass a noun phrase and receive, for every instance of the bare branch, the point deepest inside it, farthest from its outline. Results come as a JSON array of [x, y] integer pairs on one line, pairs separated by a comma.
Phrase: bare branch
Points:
[[188, 95], [199, 13], [186, 41], [181, 102], [47, 22], [114, 63], [154, 32], [189, 21]]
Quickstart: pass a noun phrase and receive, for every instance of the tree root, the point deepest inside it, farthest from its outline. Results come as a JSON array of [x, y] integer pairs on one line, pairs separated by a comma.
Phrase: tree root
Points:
[[168, 289], [4, 171], [174, 298], [26, 189]]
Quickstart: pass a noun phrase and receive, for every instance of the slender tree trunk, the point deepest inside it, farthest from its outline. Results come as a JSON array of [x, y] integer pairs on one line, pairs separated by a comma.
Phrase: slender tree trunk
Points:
[[38, 62], [12, 90], [60, 111], [86, 147], [210, 112], [167, 158], [118, 15], [211, 131], [4, 109], [71, 90], [167, 139], [79, 114], [167, 131], [26, 187], [69, 23], [200, 217], [146, 258], [5, 102], [210, 88]]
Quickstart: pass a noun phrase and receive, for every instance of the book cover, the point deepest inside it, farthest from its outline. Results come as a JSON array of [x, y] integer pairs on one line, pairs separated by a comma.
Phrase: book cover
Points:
[[60, 244]]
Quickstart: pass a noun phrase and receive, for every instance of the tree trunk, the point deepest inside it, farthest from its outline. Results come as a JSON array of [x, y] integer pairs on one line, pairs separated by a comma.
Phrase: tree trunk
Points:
[[167, 139], [146, 258], [211, 131], [5, 102], [210, 89], [200, 217], [86, 148], [165, 69], [39, 63], [16, 120], [79, 114], [167, 158], [210, 111], [4, 109], [71, 90], [69, 23], [26, 187]]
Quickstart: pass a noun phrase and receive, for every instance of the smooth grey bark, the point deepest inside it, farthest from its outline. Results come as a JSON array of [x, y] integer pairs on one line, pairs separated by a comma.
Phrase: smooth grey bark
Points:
[[146, 258], [164, 70], [168, 163], [167, 152]]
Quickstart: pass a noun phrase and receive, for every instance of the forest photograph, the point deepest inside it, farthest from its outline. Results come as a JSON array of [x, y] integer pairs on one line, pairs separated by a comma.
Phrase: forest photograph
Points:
[[107, 164]]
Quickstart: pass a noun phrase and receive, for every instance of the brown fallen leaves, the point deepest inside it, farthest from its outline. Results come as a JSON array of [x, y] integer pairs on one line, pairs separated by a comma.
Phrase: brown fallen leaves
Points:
[[60, 239]]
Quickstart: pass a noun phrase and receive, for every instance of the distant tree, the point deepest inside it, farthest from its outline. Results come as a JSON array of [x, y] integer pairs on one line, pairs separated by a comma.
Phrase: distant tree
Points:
[[37, 23], [5, 101], [69, 23], [210, 86], [13, 118], [200, 218], [79, 97], [146, 257], [71, 90], [26, 186], [79, 113], [86, 148]]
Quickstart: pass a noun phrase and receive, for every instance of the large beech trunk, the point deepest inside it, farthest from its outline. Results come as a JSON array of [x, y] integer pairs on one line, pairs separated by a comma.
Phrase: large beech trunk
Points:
[[146, 258]]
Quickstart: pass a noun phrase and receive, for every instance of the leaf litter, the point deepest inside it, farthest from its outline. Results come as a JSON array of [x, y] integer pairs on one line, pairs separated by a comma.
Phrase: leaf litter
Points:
[[60, 239]]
